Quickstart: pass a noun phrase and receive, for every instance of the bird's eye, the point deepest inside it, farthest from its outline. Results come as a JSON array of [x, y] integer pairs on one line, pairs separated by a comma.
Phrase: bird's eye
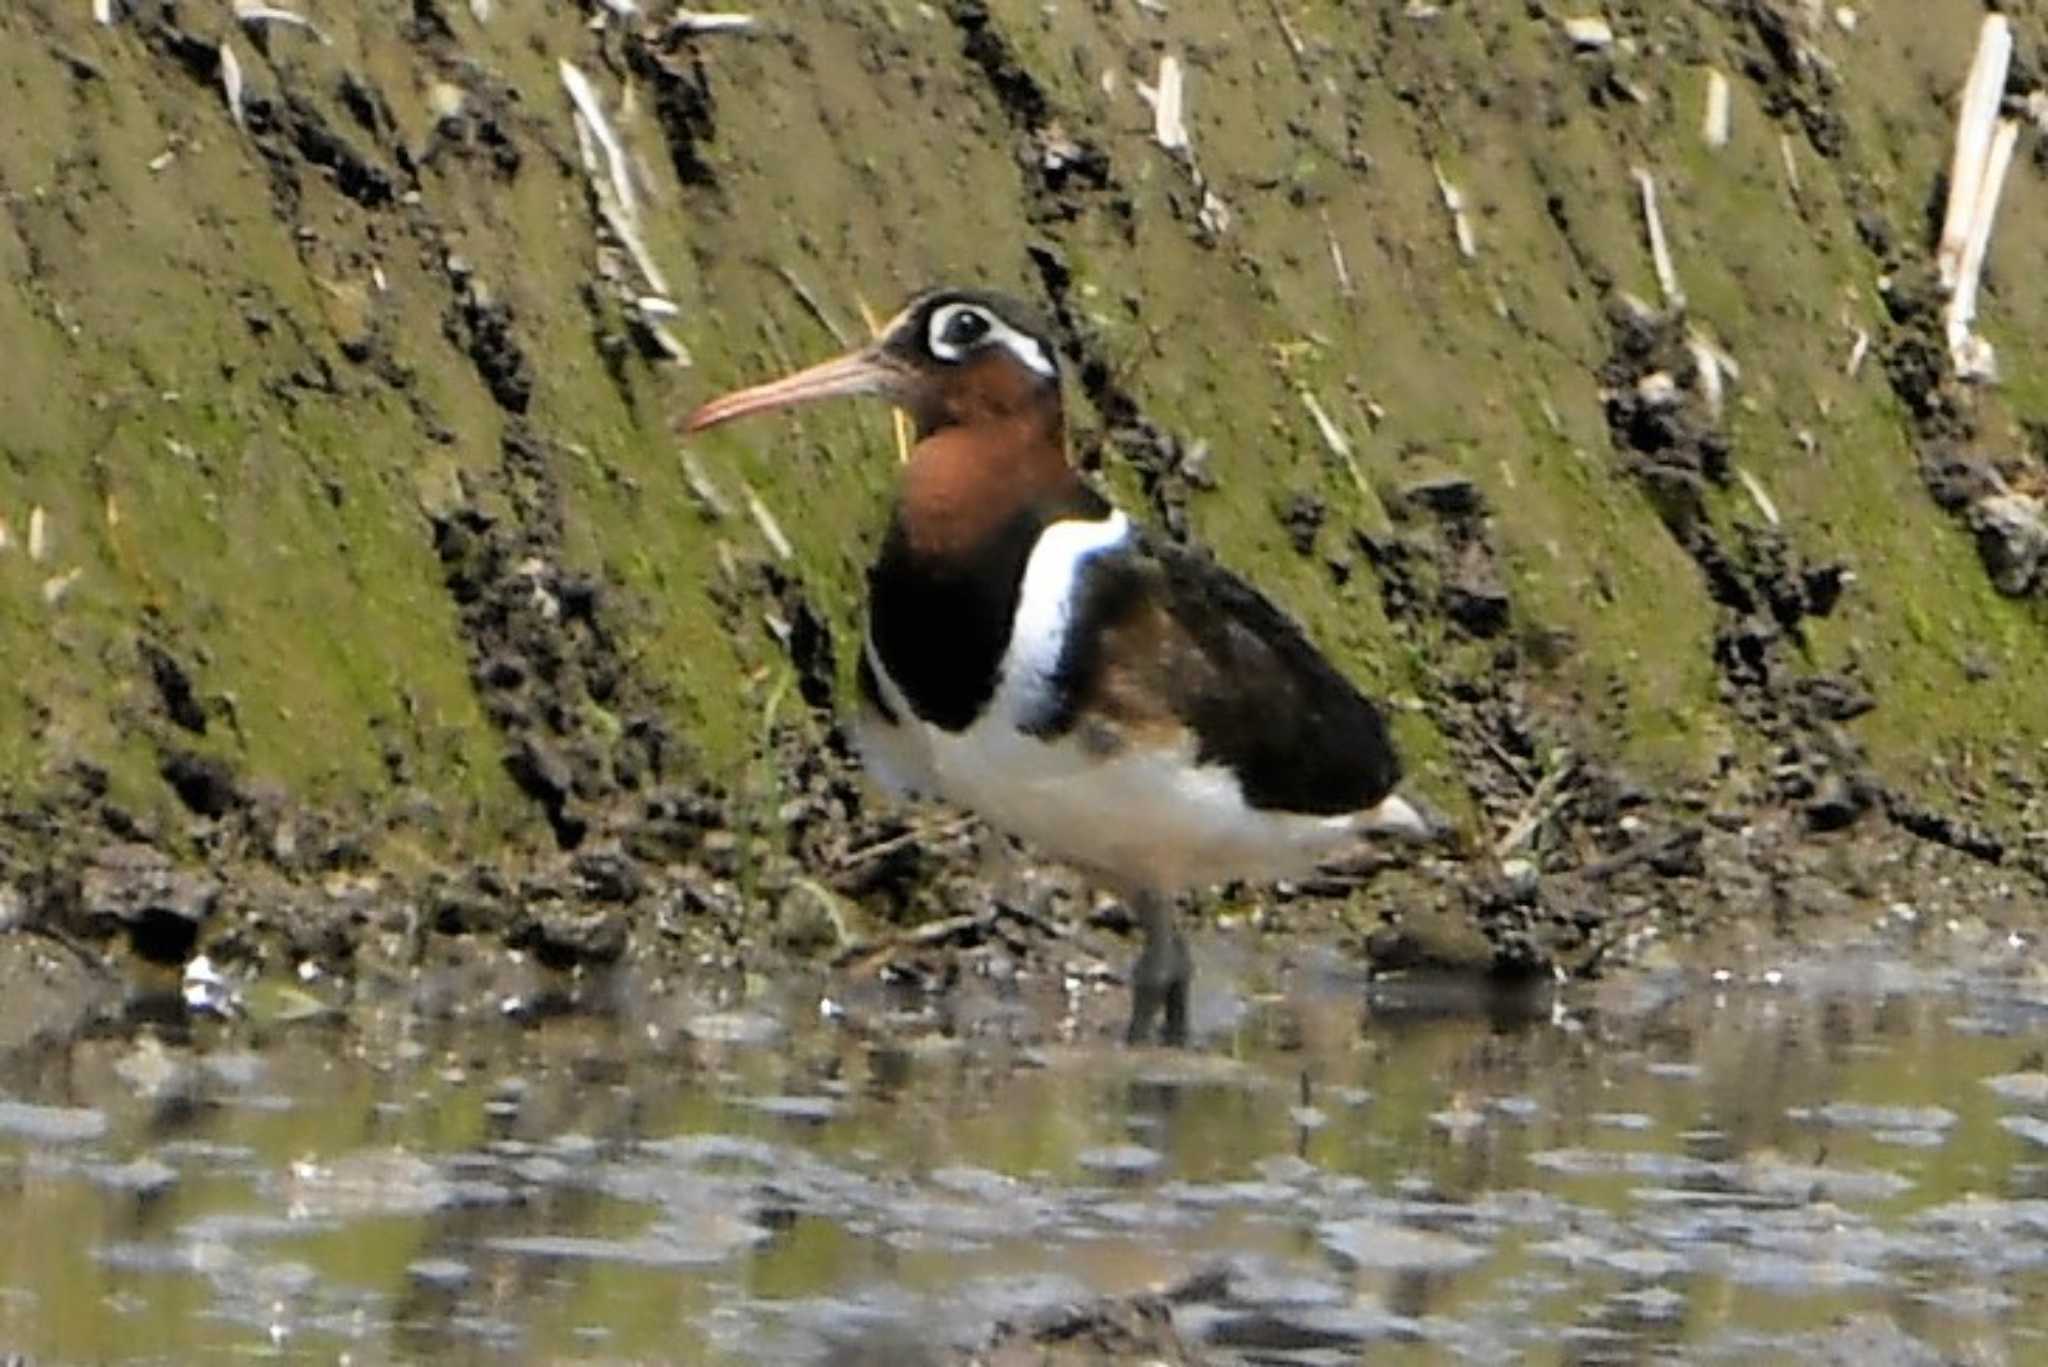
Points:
[[956, 330]]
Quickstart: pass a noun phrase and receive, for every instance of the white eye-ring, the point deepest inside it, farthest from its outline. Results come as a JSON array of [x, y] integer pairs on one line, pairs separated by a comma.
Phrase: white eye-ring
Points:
[[957, 329]]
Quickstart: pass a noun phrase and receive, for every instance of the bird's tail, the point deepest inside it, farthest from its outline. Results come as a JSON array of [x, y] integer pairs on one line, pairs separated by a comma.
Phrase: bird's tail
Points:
[[1408, 818]]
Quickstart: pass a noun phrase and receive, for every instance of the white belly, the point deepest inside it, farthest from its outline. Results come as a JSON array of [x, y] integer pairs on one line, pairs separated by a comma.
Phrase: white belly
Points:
[[1148, 819], [1139, 817]]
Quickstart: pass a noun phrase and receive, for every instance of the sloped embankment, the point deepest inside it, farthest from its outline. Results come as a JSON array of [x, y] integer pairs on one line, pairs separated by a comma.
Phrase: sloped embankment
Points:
[[355, 587]]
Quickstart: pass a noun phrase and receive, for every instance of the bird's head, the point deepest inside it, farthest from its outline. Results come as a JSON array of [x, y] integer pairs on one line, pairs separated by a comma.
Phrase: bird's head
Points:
[[950, 358]]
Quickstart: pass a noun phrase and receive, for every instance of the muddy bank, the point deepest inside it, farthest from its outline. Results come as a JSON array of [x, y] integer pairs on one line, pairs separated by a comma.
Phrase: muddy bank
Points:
[[368, 623]]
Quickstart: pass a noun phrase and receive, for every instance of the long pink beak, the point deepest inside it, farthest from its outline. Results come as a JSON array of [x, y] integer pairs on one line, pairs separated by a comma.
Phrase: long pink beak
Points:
[[858, 372]]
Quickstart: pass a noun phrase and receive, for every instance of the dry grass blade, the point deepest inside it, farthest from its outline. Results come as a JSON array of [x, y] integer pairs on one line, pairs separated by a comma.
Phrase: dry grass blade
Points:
[[1169, 120], [251, 14], [1337, 258], [813, 305], [1971, 354], [943, 833], [584, 97], [1975, 119], [1759, 496], [899, 419], [57, 586], [1294, 43], [1714, 124], [616, 219], [1454, 200], [770, 528], [706, 493], [231, 81], [1859, 348], [1709, 367], [1546, 800], [692, 23], [1660, 248]]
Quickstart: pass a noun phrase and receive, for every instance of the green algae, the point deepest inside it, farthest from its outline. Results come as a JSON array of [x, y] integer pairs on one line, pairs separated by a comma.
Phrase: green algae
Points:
[[181, 400]]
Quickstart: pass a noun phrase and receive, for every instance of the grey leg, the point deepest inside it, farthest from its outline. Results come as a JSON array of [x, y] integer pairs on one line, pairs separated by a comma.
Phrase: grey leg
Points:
[[1160, 977]]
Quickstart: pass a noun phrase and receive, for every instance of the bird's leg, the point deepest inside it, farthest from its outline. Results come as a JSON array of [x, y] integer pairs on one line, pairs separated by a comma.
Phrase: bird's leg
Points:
[[1160, 978]]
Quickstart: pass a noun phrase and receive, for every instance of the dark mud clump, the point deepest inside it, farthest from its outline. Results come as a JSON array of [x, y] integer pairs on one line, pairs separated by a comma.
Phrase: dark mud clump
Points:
[[173, 686], [480, 325], [1168, 470], [1136, 1329], [1793, 83], [581, 728], [1440, 558], [683, 105], [1661, 420], [1067, 171]]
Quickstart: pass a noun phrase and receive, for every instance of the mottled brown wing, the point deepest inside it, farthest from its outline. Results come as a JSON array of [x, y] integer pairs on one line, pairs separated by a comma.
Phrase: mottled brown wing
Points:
[[1165, 643]]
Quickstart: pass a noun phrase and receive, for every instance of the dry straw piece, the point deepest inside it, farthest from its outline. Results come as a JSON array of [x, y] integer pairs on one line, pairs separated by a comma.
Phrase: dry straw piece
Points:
[[251, 13], [1454, 201], [231, 81], [691, 22], [1983, 156], [1660, 249], [1714, 123], [1169, 119], [1974, 120]]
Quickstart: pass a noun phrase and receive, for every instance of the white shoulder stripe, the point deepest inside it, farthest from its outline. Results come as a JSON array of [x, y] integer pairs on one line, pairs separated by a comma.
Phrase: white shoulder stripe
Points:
[[1045, 608]]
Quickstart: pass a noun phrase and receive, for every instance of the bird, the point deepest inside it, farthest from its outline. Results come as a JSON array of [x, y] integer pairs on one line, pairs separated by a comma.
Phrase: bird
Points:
[[1118, 701]]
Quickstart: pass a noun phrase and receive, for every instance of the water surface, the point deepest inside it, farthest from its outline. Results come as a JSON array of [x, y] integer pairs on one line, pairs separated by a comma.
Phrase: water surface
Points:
[[1842, 1157]]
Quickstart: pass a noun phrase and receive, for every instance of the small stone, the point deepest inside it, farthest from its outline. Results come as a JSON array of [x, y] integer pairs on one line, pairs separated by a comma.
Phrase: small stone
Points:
[[152, 1071], [1589, 33], [1446, 496], [2030, 1128], [445, 101], [137, 886], [1378, 1245], [52, 1124], [442, 1274], [145, 1177], [735, 1027], [2012, 539], [1835, 805], [1522, 1108], [1850, 1115], [609, 875], [816, 1109], [1285, 1167], [2024, 1089], [563, 936], [1658, 390], [1458, 1120], [1123, 1161], [1306, 1329]]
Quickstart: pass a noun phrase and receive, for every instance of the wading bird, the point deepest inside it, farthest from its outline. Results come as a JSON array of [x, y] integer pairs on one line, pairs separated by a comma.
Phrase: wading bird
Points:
[[1115, 700]]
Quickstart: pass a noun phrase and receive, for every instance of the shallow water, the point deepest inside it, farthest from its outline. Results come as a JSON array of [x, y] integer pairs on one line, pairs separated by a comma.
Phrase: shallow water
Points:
[[1845, 1159]]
